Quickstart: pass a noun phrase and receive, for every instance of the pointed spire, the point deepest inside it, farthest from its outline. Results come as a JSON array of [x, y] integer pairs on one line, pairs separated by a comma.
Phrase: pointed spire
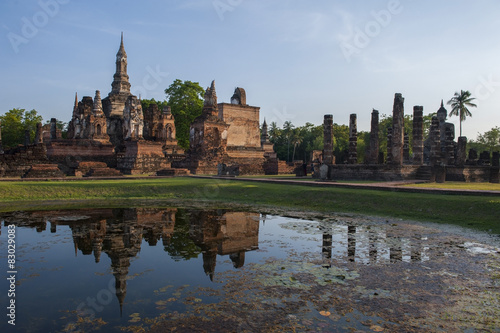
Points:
[[97, 104], [210, 104], [121, 84], [75, 106], [121, 50], [264, 137], [442, 104]]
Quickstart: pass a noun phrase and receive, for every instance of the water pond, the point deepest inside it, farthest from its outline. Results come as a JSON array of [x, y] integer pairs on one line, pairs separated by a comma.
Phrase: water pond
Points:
[[202, 270]]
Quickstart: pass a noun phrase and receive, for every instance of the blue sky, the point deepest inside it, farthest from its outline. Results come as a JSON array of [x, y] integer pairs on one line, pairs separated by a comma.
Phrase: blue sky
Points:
[[297, 60]]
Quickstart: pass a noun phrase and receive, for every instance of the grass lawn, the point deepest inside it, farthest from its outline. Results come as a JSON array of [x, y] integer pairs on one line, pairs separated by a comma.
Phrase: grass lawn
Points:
[[470, 211], [460, 186]]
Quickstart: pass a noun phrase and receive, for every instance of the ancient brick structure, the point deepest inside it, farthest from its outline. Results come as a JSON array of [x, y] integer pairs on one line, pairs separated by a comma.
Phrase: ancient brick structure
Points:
[[439, 158], [418, 135], [208, 138], [18, 161], [115, 132], [449, 149], [353, 140], [229, 134], [39, 134], [373, 148], [44, 171], [397, 140], [96, 169], [389, 145], [406, 149], [435, 135], [461, 151], [328, 157]]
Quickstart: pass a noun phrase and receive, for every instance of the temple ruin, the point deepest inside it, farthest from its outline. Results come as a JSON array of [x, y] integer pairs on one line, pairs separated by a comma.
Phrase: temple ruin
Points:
[[439, 158], [114, 136]]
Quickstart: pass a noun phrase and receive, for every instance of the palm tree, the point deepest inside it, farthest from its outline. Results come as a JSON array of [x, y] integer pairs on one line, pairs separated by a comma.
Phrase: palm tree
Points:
[[459, 104]]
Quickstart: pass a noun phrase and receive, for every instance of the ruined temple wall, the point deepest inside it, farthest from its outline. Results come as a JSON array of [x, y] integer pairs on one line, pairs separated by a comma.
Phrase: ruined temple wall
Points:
[[16, 162], [469, 173], [243, 121], [373, 172], [70, 152]]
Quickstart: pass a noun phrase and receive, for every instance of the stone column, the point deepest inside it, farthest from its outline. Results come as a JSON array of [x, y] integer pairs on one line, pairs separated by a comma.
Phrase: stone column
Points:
[[389, 145], [495, 160], [397, 130], [406, 149], [53, 128], [328, 157], [449, 146], [39, 134], [372, 156], [418, 135], [461, 151], [353, 140], [435, 135], [495, 168], [27, 139]]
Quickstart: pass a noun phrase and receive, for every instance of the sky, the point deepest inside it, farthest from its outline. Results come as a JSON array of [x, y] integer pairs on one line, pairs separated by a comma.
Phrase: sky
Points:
[[297, 60]]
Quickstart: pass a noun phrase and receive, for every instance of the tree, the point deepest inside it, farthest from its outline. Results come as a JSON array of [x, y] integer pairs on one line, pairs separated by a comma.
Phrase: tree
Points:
[[15, 122], [186, 102], [459, 104], [488, 141], [288, 134], [145, 103], [340, 143]]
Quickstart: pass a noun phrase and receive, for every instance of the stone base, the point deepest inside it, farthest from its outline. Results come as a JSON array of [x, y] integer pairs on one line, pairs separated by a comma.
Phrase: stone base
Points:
[[96, 169], [44, 171], [141, 157], [277, 167], [69, 153], [228, 170], [469, 173], [372, 172]]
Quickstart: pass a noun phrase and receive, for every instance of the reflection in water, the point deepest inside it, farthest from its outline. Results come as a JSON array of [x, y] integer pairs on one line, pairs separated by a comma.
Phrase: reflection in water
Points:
[[189, 234], [119, 234], [370, 245]]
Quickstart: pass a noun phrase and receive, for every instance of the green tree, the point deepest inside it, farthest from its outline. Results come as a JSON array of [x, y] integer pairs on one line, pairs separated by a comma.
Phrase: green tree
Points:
[[340, 143], [311, 139], [15, 122], [145, 103], [186, 101], [459, 104], [288, 136], [488, 141]]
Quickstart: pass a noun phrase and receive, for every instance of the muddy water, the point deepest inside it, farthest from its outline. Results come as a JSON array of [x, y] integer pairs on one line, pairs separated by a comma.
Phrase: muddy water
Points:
[[189, 270]]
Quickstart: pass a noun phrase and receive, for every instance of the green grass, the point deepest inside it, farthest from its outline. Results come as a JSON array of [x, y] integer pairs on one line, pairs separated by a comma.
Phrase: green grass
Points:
[[460, 186], [470, 211]]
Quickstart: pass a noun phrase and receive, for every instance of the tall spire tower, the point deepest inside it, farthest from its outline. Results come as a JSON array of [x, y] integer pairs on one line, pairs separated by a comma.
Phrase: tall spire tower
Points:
[[120, 84]]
